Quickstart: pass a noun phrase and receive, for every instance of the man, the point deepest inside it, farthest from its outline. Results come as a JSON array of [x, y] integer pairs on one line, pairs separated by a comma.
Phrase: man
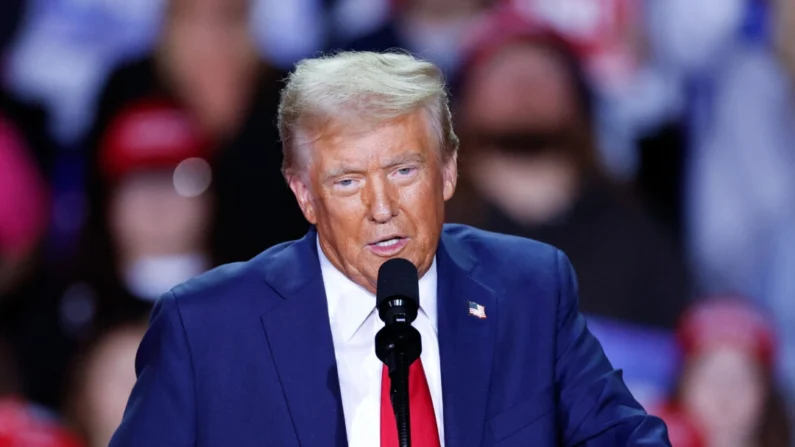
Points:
[[280, 351]]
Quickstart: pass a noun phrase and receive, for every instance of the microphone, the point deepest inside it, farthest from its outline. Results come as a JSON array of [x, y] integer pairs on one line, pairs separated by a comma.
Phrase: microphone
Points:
[[398, 343]]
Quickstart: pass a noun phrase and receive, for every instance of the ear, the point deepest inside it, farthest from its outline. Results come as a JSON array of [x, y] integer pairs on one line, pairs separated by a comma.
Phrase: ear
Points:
[[450, 176], [303, 194]]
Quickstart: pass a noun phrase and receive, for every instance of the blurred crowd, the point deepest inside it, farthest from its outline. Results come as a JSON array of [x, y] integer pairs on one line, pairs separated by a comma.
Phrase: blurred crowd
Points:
[[652, 141]]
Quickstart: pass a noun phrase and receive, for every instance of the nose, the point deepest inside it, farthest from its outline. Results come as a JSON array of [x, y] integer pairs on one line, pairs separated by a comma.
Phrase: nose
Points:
[[381, 200]]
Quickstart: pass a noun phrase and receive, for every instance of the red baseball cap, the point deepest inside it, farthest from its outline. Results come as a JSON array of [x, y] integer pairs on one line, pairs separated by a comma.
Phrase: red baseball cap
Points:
[[22, 425], [727, 321], [151, 133]]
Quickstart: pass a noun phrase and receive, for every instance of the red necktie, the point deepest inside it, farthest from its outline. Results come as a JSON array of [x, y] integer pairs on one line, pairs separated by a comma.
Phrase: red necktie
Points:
[[424, 432]]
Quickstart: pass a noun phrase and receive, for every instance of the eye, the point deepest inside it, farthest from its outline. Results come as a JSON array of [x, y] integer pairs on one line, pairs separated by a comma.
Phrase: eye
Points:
[[407, 170], [345, 184]]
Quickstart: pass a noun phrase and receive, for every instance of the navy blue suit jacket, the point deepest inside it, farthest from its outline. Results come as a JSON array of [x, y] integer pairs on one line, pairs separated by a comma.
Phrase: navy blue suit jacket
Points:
[[243, 356]]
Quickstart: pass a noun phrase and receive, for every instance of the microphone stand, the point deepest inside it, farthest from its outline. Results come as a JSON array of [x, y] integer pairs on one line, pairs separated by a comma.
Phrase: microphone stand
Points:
[[399, 395], [398, 346]]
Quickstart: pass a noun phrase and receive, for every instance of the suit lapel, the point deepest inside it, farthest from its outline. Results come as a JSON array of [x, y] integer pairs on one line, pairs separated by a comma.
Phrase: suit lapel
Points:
[[466, 344], [299, 336]]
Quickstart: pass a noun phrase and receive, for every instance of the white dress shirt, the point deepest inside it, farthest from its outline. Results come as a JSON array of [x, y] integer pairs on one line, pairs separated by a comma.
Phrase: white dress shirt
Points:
[[354, 323]]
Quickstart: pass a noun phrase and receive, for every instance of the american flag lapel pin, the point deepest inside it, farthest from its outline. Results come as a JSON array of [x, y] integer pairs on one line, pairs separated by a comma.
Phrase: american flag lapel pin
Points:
[[476, 310]]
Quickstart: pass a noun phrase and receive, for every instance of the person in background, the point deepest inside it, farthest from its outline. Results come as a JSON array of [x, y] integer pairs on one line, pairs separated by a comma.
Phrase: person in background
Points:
[[433, 29], [532, 169], [206, 61], [727, 389], [25, 162], [24, 220], [23, 207], [101, 383], [151, 212], [26, 426], [24, 200], [151, 216], [23, 423], [740, 187]]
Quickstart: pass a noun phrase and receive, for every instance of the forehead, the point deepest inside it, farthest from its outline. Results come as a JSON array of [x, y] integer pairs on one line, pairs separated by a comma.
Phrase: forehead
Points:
[[360, 143], [522, 85]]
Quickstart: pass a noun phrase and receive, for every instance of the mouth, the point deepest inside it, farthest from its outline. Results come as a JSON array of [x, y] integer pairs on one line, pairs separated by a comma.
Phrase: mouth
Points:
[[388, 246]]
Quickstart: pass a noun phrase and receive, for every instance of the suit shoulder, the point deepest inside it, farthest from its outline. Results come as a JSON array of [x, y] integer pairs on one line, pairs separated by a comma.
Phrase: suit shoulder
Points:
[[502, 249]]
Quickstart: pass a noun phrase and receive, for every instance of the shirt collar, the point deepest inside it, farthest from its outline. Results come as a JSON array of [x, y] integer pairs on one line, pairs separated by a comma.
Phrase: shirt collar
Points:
[[349, 304], [428, 290]]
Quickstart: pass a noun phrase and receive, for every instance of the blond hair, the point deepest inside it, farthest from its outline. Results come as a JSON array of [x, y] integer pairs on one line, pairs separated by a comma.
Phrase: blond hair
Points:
[[362, 87]]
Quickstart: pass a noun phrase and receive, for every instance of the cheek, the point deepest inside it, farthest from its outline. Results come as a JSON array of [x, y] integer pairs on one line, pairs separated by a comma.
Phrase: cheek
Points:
[[703, 396], [129, 213], [340, 215], [425, 200], [186, 213], [423, 209]]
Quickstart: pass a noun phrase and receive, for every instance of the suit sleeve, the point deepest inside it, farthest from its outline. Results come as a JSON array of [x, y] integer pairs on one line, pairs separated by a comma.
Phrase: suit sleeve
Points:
[[161, 410], [595, 407]]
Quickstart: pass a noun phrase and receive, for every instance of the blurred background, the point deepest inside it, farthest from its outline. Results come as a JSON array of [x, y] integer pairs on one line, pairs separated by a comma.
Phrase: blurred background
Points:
[[653, 141]]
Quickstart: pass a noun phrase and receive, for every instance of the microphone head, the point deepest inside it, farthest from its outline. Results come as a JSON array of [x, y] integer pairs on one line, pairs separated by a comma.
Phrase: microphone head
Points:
[[398, 291]]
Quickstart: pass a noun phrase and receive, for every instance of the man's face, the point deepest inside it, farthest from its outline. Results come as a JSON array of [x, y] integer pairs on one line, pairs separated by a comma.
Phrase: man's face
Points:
[[375, 195]]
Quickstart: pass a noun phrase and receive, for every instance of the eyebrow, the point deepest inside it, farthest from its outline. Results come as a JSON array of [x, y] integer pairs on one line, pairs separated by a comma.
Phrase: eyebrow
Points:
[[339, 172], [343, 170], [414, 157]]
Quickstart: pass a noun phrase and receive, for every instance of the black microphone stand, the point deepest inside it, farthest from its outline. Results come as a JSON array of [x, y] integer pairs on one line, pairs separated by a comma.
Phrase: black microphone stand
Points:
[[398, 345]]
